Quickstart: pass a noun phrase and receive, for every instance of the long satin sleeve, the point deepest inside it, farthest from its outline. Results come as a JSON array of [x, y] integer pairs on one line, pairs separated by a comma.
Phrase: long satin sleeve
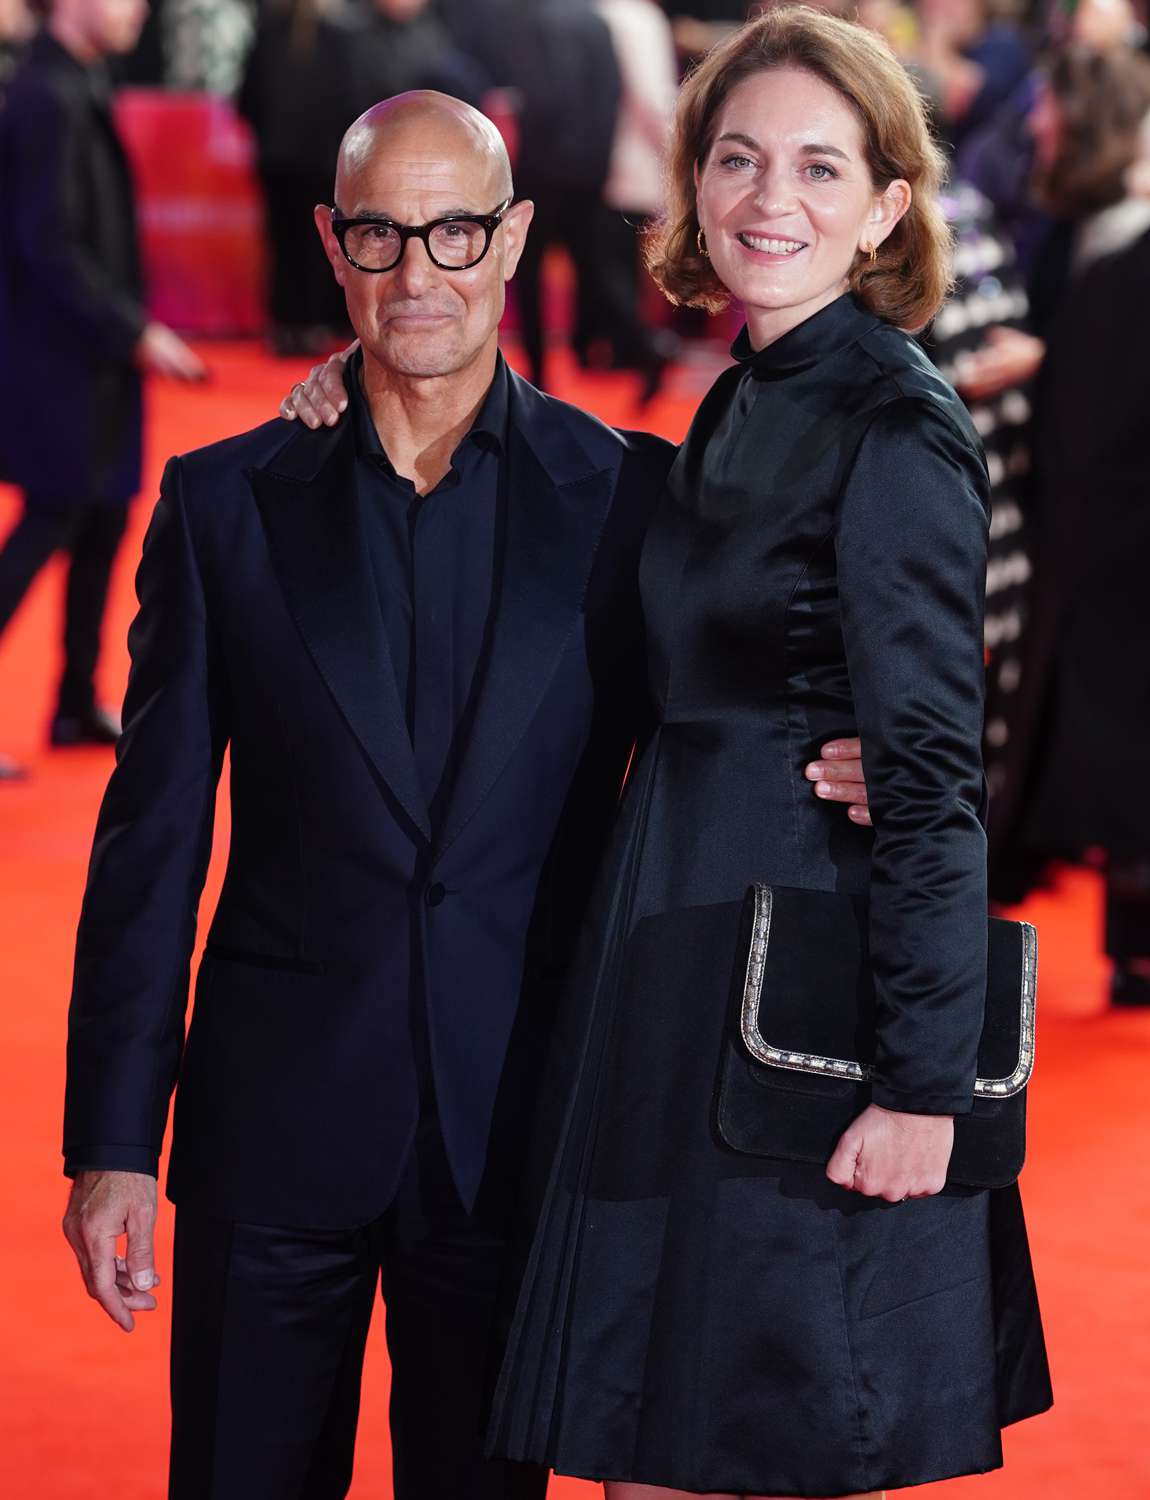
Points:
[[911, 560]]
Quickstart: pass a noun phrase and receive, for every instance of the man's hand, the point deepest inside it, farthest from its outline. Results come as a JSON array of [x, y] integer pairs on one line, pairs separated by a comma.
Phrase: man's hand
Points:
[[838, 777], [885, 1154], [102, 1207], [164, 353], [320, 399]]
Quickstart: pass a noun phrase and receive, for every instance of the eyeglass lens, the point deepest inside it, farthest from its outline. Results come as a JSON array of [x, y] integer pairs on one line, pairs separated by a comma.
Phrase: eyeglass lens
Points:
[[453, 244]]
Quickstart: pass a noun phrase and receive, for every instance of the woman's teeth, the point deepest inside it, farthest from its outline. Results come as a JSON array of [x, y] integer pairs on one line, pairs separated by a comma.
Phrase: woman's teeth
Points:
[[770, 247]]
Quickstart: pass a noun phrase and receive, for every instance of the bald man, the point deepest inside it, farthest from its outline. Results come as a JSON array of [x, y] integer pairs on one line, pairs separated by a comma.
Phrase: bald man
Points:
[[418, 633]]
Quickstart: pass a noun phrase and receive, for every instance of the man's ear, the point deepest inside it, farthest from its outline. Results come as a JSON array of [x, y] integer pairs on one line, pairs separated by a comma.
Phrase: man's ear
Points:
[[322, 215], [515, 225]]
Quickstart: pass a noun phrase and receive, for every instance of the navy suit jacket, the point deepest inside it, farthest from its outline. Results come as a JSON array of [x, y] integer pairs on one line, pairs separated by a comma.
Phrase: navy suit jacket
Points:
[[260, 632]]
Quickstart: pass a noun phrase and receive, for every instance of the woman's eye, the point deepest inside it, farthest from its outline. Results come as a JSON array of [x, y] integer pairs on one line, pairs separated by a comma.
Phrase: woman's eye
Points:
[[737, 161], [821, 172]]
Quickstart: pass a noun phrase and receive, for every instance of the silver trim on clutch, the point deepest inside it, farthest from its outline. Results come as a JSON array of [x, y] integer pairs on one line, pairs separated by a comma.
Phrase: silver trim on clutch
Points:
[[834, 1067]]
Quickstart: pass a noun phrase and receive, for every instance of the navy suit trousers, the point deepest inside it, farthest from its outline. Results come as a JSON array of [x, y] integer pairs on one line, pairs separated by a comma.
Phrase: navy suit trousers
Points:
[[269, 1329]]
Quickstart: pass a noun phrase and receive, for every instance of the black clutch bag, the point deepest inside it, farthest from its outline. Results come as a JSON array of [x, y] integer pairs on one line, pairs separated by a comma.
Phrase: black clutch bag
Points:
[[802, 1039]]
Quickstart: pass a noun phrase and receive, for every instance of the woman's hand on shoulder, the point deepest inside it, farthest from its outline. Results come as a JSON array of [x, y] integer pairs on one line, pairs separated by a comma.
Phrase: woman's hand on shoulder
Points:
[[887, 1154], [320, 399]]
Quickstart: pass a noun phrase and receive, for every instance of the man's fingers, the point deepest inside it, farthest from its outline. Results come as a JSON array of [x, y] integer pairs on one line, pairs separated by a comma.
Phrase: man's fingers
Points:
[[100, 1278], [861, 816], [140, 1258]]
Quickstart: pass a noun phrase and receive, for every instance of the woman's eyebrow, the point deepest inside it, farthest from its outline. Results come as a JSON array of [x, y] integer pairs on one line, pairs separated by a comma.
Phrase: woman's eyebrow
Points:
[[813, 149], [810, 148], [743, 140]]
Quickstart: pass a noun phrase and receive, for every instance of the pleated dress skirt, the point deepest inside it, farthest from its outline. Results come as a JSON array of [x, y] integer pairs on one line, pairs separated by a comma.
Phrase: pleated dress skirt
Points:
[[708, 1321]]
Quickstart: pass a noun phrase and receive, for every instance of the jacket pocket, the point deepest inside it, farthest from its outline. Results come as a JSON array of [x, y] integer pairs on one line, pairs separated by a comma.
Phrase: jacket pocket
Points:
[[254, 960]]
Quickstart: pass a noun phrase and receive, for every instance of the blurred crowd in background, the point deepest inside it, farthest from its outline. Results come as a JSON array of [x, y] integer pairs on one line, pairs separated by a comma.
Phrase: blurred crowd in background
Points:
[[1044, 107]]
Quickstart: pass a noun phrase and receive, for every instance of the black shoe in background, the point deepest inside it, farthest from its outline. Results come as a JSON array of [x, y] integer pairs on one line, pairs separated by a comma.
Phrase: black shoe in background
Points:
[[1128, 989], [660, 356], [95, 726]]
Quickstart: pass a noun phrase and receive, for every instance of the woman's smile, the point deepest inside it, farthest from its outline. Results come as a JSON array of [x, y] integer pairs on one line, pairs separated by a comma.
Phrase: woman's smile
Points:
[[768, 247]]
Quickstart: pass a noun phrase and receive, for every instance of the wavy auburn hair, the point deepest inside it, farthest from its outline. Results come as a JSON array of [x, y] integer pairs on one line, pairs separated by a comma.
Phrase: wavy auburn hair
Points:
[[911, 274]]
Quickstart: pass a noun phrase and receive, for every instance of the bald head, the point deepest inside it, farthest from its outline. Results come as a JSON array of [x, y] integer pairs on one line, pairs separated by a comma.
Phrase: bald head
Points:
[[429, 165], [423, 127]]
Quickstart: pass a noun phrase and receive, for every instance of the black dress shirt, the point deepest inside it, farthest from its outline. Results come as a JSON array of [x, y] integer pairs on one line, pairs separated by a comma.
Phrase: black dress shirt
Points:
[[435, 558]]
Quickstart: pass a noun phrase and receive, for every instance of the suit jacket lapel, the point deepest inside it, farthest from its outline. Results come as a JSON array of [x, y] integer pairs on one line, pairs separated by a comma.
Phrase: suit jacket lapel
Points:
[[310, 507], [557, 504]]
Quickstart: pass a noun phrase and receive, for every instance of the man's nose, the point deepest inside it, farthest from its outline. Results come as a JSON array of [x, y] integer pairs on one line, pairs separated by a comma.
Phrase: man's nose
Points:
[[416, 269]]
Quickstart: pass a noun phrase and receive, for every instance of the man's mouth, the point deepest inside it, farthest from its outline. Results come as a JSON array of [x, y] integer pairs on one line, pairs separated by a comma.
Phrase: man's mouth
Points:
[[769, 245]]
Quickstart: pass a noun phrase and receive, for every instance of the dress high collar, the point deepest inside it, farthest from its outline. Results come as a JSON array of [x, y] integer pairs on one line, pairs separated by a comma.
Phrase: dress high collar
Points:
[[832, 328]]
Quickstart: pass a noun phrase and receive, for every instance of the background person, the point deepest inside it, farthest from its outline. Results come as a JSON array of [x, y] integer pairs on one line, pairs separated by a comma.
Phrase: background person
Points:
[[1085, 685], [74, 334], [561, 60], [609, 304], [300, 88]]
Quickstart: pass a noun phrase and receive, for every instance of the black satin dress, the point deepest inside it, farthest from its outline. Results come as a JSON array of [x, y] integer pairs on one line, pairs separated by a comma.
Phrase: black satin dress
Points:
[[690, 1316]]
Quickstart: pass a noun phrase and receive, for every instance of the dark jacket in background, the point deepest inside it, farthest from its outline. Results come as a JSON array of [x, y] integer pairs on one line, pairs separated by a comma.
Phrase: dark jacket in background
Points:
[[71, 286], [1086, 678], [561, 59], [300, 91]]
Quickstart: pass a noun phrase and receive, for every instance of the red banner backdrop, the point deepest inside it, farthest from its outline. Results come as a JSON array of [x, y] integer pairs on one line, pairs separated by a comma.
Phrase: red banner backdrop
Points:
[[201, 218]]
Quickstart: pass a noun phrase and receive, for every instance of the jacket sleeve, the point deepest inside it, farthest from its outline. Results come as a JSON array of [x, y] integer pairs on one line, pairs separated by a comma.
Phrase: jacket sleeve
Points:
[[45, 140], [911, 557], [149, 860]]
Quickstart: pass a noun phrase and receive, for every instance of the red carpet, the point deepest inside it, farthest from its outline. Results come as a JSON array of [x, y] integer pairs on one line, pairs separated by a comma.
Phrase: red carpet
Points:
[[82, 1409]]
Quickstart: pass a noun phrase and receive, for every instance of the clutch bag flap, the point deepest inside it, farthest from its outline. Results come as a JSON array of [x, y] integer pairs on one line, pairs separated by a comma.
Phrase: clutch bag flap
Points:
[[803, 1041]]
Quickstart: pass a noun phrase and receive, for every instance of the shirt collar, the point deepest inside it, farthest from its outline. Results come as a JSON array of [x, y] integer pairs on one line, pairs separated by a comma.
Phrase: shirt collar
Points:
[[488, 430], [841, 322]]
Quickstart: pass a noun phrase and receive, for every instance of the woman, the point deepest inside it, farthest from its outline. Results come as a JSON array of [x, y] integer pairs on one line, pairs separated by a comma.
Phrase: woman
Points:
[[692, 1319]]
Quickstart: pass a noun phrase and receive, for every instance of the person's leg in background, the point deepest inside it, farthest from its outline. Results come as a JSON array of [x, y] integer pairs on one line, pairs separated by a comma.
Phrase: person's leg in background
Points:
[[321, 296], [96, 537], [306, 309], [44, 528], [1128, 930], [531, 291], [605, 249]]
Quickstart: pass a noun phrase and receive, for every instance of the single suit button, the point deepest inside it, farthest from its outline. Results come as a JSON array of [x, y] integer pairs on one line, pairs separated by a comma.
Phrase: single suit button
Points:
[[436, 894]]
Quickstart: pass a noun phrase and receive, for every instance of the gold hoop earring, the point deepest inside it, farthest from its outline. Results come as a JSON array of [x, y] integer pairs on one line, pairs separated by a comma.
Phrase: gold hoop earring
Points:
[[871, 253], [701, 242]]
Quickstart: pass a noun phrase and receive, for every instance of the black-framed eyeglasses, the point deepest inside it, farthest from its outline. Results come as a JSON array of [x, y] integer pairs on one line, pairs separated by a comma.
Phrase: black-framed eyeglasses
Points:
[[455, 243]]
